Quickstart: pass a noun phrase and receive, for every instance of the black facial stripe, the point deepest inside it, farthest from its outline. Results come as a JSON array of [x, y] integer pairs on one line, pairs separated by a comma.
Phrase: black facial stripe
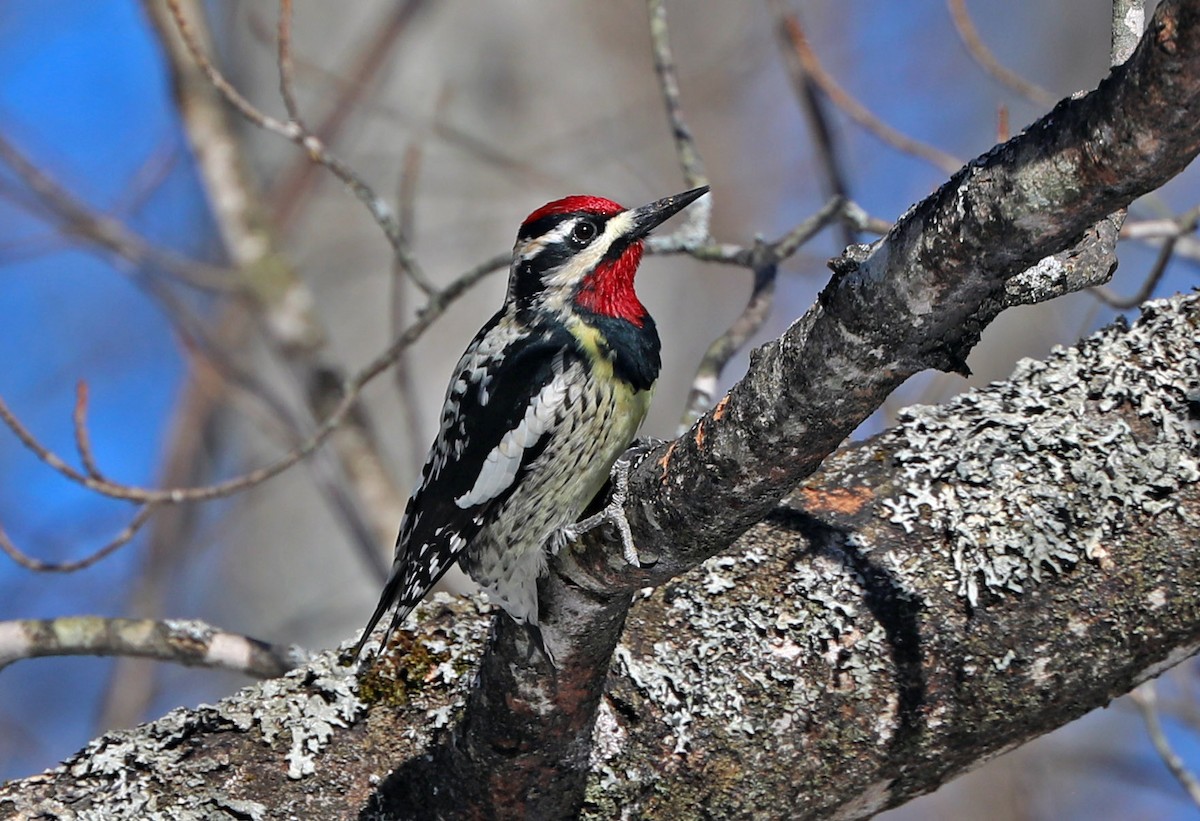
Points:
[[550, 256], [548, 223], [618, 247], [527, 281]]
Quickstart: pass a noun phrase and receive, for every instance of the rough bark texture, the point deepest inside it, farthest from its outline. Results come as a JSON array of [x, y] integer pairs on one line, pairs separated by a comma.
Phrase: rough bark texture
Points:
[[917, 299], [984, 572]]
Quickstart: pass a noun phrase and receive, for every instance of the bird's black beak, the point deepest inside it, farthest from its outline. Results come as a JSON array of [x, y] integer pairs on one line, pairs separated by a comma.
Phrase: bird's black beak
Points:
[[649, 217]]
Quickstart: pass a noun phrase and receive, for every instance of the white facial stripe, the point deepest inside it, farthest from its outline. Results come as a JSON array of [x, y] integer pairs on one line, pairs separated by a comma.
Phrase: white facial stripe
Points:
[[500, 468], [587, 259]]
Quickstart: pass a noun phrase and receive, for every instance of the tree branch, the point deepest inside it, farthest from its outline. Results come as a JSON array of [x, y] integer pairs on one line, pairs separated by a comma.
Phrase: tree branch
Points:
[[832, 664], [192, 643], [917, 299], [913, 300]]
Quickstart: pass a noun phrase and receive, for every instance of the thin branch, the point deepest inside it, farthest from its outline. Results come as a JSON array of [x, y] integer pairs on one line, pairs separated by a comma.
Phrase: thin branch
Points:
[[83, 442], [763, 259], [77, 219], [360, 464], [295, 182], [1152, 229], [1146, 699], [696, 224], [1185, 224], [821, 130], [428, 314], [38, 566], [286, 69], [318, 152], [282, 303], [707, 380], [188, 642], [855, 110], [790, 242], [131, 684], [864, 221], [148, 177], [988, 62]]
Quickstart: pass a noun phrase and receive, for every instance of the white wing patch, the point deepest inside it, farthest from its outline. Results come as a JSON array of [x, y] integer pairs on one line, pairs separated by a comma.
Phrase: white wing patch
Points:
[[479, 364], [500, 468]]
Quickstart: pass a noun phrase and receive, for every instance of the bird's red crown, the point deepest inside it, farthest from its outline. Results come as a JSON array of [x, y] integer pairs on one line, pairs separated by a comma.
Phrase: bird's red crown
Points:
[[574, 204]]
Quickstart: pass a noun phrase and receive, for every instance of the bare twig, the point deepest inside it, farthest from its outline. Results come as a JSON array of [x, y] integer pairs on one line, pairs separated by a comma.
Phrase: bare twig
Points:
[[283, 304], [83, 442], [1185, 224], [429, 313], [296, 181], [1146, 699], [855, 110], [825, 146], [695, 239], [1128, 21], [286, 70], [1152, 229], [763, 259], [696, 224], [132, 683], [38, 566], [988, 62], [192, 643], [708, 373], [149, 177], [77, 219], [318, 152]]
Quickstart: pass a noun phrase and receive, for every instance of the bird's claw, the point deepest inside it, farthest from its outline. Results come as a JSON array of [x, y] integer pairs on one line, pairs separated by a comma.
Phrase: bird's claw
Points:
[[613, 512]]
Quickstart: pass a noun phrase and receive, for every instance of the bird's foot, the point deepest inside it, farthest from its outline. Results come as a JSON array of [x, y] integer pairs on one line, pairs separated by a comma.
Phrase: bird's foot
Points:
[[613, 513]]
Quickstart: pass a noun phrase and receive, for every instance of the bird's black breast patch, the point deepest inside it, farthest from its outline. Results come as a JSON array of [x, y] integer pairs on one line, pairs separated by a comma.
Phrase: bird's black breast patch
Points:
[[635, 352]]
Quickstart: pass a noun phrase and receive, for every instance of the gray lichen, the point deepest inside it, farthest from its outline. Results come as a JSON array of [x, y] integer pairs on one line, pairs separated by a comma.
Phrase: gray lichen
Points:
[[814, 619], [280, 727], [1054, 420], [130, 769]]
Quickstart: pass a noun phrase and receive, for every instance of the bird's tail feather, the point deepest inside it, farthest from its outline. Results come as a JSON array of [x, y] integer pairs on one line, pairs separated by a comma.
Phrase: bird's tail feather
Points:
[[386, 600]]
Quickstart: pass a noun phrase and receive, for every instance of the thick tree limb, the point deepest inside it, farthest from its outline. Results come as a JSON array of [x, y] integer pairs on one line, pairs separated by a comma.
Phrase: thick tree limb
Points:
[[908, 615], [910, 304], [917, 299], [891, 676]]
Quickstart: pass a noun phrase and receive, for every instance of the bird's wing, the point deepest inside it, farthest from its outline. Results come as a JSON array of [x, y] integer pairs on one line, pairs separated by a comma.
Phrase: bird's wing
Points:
[[501, 408]]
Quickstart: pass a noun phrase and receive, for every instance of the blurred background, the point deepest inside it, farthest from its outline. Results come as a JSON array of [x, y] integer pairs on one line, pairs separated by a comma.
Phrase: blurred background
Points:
[[119, 233]]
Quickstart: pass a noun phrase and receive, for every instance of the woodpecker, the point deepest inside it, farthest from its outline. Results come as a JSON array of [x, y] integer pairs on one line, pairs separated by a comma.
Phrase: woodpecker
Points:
[[547, 396]]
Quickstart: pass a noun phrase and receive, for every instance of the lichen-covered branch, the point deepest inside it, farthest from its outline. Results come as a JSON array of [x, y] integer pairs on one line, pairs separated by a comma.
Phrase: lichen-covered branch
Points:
[[917, 299], [181, 641], [981, 574], [914, 300]]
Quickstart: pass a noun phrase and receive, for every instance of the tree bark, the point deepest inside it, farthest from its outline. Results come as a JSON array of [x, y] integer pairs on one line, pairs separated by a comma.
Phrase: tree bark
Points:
[[981, 574], [992, 236]]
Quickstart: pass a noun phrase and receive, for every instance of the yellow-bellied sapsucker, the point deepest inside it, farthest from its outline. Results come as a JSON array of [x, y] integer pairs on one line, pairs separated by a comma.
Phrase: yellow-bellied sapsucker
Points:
[[548, 395]]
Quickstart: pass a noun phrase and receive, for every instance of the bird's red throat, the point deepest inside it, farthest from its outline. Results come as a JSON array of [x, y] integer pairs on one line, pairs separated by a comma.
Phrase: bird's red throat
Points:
[[608, 290]]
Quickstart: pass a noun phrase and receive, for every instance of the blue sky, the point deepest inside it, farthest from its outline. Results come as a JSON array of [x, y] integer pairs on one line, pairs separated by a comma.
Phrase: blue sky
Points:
[[82, 95]]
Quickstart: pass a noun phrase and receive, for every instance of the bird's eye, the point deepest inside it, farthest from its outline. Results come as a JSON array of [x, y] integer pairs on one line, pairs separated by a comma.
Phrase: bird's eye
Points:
[[584, 231]]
